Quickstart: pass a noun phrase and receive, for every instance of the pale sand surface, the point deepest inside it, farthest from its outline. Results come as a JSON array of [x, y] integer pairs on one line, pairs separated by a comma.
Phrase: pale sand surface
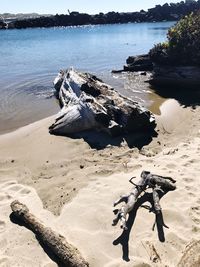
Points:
[[71, 188]]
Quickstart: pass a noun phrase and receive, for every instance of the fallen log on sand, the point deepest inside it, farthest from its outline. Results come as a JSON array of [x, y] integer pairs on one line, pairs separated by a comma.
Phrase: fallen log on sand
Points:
[[158, 184], [88, 103], [66, 253]]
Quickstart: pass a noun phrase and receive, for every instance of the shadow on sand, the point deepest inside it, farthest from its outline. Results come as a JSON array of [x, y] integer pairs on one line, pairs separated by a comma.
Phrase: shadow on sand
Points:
[[187, 97], [100, 140], [123, 239], [46, 249]]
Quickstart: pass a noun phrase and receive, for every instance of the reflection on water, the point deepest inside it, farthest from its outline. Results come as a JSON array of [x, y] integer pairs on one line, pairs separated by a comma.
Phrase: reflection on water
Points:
[[25, 100], [158, 28], [156, 101], [136, 87], [132, 85]]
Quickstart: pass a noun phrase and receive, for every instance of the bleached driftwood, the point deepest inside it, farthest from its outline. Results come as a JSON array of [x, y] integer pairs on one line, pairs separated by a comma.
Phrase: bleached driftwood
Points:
[[66, 253], [190, 257], [148, 180], [88, 103]]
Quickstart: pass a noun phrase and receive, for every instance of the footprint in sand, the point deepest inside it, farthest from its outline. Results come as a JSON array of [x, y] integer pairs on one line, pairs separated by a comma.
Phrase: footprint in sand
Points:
[[6, 184], [17, 188], [24, 191], [49, 265], [170, 151], [14, 188], [4, 262], [2, 226], [196, 209], [137, 166], [4, 197], [188, 180], [171, 166], [3, 245], [10, 189], [117, 262], [184, 157], [194, 213], [189, 163], [185, 145], [149, 161], [188, 188]]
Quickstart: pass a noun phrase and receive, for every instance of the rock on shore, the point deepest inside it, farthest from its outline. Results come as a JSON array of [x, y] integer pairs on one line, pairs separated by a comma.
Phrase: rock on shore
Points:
[[139, 63], [183, 76], [165, 74]]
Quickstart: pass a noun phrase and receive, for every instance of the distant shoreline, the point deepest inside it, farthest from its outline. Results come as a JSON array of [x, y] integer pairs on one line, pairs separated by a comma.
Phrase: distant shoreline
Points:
[[166, 12]]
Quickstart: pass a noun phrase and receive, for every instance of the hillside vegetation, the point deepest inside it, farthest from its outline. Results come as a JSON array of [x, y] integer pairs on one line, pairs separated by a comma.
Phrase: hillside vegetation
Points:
[[183, 44]]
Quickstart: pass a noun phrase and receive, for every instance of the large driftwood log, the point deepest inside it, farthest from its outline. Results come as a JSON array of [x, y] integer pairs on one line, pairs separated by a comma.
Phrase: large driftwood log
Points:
[[88, 103], [156, 183], [66, 253]]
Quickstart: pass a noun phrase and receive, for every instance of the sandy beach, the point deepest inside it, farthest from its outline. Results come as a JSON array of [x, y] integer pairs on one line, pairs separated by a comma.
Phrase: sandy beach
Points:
[[71, 187]]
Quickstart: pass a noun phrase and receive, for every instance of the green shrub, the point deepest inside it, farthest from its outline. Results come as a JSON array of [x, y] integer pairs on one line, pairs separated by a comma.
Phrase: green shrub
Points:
[[183, 46], [159, 53]]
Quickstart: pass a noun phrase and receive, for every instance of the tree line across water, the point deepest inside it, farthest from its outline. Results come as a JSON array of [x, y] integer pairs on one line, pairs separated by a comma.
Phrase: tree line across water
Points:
[[166, 12]]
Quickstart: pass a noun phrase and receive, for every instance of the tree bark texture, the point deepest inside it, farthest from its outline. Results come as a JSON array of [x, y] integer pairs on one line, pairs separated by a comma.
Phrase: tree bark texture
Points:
[[66, 253], [88, 103]]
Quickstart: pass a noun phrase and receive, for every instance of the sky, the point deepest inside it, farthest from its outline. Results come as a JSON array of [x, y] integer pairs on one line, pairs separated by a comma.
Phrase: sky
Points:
[[87, 6]]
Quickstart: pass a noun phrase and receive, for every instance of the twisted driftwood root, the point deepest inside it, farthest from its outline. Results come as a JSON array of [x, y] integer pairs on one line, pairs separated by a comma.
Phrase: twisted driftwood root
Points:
[[158, 184], [66, 253]]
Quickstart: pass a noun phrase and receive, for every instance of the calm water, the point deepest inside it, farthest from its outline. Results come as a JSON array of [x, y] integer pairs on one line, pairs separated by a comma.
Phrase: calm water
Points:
[[30, 59]]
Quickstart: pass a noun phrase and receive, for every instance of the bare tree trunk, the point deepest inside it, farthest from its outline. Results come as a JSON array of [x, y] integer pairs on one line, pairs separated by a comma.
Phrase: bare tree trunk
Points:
[[67, 253]]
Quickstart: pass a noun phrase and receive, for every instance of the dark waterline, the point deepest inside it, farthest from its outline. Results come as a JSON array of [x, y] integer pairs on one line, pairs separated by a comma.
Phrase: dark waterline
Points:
[[30, 59]]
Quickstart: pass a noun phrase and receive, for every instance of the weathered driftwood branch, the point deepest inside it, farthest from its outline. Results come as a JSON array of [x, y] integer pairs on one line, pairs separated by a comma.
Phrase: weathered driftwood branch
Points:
[[190, 257], [66, 253], [88, 103], [148, 180]]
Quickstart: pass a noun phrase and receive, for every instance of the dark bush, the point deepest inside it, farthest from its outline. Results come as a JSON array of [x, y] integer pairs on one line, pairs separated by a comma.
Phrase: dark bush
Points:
[[183, 45]]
